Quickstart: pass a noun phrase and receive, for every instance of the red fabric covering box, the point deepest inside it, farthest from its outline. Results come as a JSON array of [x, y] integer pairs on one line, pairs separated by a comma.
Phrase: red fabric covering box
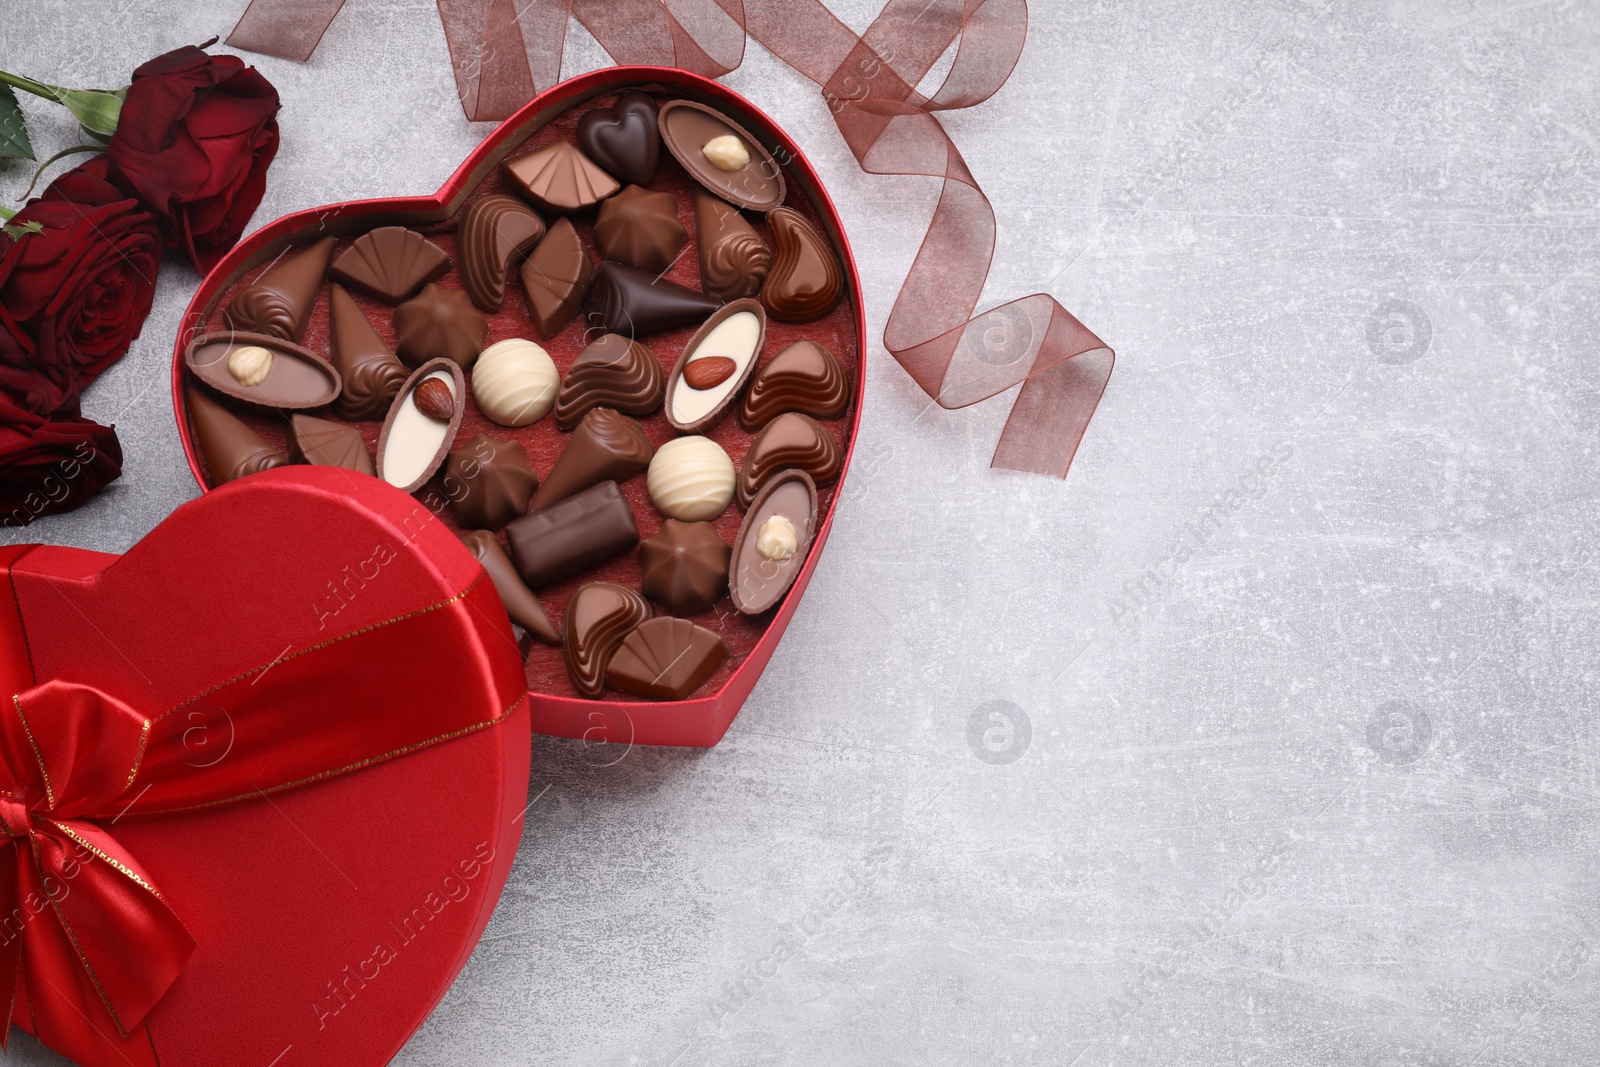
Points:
[[263, 778]]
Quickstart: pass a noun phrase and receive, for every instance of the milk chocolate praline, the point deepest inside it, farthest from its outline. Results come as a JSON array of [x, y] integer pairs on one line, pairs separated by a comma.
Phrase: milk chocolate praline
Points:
[[440, 323], [756, 582], [733, 258], [488, 482], [805, 377], [805, 280], [290, 378], [599, 616], [665, 659], [390, 263], [684, 566], [279, 301], [640, 228], [790, 440], [614, 372], [687, 127]]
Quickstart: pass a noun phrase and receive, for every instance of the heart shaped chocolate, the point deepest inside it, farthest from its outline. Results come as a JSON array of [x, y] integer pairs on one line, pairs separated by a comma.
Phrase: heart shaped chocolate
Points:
[[623, 138], [613, 383]]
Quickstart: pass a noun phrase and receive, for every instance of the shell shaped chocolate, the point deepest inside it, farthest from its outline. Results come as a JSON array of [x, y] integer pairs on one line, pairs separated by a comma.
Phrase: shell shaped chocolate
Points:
[[666, 659], [790, 441], [805, 279], [613, 372], [599, 616], [390, 263], [805, 377], [440, 323], [733, 257], [559, 178], [556, 277], [494, 230], [640, 228]]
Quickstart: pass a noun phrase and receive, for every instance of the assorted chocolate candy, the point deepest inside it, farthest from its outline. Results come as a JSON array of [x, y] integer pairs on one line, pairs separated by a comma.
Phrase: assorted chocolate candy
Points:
[[594, 224]]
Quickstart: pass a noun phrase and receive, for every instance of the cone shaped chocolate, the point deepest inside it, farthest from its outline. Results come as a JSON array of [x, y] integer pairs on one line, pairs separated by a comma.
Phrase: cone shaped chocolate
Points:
[[232, 449], [520, 603], [606, 447], [371, 373], [733, 259], [279, 302], [634, 302]]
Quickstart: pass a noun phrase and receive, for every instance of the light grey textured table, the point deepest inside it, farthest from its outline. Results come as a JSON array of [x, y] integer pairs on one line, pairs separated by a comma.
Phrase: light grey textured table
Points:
[[1305, 774]]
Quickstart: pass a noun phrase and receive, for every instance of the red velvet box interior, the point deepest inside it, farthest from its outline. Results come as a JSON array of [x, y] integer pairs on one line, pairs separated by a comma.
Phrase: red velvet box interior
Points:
[[556, 708], [289, 899]]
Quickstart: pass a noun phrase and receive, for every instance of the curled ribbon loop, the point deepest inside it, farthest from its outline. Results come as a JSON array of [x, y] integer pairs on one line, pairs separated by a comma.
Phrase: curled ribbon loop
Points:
[[88, 945], [870, 82]]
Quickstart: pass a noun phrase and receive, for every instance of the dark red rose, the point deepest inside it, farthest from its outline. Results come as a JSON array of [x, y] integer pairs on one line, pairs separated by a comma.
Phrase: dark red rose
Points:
[[74, 295], [51, 464], [196, 135]]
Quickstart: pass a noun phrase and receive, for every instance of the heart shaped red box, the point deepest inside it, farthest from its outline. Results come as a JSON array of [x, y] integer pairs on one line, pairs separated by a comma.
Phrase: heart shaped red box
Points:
[[556, 708], [330, 918]]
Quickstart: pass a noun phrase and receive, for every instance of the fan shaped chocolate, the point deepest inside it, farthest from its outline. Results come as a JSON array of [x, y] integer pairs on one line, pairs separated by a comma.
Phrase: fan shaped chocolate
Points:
[[279, 302], [328, 444], [440, 323], [634, 303], [494, 230], [556, 277], [390, 263], [488, 482], [684, 566], [519, 601], [721, 155], [370, 372], [805, 377], [790, 441], [261, 369], [623, 138], [773, 542], [599, 616], [666, 659], [733, 258], [606, 447], [729, 342], [613, 372], [805, 280], [559, 178], [640, 228], [229, 448]]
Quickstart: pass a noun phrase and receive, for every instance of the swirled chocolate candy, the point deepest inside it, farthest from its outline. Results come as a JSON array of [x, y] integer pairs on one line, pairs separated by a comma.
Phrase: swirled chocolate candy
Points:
[[520, 603], [566, 537], [559, 178], [634, 302], [229, 447], [390, 263], [721, 155], [599, 616], [556, 276], [439, 323], [733, 259], [613, 372], [329, 444], [805, 377], [640, 228], [606, 447], [372, 375], [494, 230], [488, 482], [666, 659], [805, 280], [715, 364], [793, 441], [262, 369], [623, 138], [279, 302], [684, 566]]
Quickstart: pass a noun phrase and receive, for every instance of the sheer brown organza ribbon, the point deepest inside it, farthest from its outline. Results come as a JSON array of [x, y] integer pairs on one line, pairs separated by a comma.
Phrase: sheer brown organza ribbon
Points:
[[870, 84]]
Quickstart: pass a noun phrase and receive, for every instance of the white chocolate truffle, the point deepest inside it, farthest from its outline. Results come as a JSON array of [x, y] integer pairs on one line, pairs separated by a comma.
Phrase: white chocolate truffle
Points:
[[515, 382], [690, 479]]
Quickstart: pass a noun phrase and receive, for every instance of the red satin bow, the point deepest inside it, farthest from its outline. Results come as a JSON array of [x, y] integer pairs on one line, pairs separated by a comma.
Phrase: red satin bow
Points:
[[502, 50], [86, 937]]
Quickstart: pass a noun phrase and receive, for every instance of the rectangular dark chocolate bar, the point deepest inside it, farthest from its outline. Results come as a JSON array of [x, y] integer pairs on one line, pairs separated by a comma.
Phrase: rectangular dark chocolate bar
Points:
[[575, 533]]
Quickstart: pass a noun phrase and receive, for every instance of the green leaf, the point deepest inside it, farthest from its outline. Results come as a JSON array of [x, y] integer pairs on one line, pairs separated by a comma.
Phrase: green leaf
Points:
[[15, 231], [97, 109], [13, 134], [103, 138]]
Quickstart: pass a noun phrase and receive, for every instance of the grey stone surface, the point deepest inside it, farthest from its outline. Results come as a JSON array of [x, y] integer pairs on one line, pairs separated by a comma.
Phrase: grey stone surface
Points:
[[1180, 760]]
